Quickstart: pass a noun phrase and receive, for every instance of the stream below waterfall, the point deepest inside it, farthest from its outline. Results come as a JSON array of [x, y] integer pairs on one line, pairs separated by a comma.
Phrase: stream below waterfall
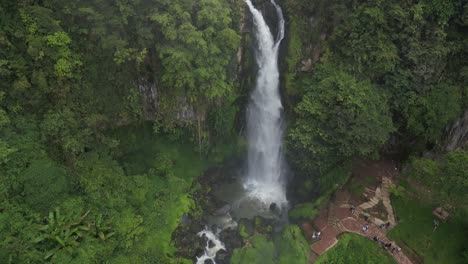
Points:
[[213, 245]]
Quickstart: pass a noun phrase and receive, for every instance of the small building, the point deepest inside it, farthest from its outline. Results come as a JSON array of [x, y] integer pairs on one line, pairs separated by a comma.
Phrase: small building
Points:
[[441, 214]]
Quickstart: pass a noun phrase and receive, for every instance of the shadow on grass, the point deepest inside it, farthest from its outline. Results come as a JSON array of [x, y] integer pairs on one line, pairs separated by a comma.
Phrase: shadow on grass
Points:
[[355, 249]]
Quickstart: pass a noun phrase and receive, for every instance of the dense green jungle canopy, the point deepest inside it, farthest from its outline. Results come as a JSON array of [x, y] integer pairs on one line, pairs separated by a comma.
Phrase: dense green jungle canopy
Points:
[[84, 178]]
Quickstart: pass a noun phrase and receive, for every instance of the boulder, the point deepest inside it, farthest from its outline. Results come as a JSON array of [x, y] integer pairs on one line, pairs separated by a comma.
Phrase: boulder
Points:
[[223, 210]]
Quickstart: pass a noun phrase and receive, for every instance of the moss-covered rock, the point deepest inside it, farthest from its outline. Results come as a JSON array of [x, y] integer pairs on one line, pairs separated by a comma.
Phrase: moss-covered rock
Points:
[[260, 251], [289, 246], [307, 210], [292, 245]]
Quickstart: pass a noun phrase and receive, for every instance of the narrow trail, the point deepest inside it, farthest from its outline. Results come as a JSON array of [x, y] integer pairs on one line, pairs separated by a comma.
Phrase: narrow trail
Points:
[[338, 218]]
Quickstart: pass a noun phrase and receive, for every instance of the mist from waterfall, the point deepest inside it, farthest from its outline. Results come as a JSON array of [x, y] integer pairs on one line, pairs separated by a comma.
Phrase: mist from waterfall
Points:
[[265, 166]]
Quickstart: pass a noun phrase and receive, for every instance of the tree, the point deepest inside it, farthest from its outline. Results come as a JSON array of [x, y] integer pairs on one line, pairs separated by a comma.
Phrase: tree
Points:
[[292, 245], [447, 178], [44, 175], [5, 150], [428, 115], [339, 117], [70, 74], [362, 45], [196, 52]]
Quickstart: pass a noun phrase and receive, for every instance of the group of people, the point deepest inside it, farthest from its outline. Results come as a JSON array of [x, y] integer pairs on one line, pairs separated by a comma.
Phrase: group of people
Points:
[[388, 246], [316, 235], [387, 225], [365, 227]]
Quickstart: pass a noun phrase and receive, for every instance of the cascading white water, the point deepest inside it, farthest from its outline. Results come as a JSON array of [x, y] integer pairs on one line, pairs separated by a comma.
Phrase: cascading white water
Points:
[[210, 252], [265, 180]]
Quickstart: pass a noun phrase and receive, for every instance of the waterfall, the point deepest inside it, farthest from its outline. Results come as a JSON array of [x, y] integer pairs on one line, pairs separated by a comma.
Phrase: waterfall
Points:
[[264, 181], [265, 176]]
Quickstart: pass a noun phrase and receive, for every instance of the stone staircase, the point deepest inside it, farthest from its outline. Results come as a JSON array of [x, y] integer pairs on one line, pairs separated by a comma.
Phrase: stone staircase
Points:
[[386, 185], [381, 193], [373, 201], [337, 218]]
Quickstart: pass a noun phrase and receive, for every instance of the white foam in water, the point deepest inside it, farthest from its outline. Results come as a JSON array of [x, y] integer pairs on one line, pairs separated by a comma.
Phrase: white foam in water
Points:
[[265, 180], [210, 253]]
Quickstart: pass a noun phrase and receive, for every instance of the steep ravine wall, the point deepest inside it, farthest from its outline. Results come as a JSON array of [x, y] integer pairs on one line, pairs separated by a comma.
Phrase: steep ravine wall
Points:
[[187, 115], [456, 135], [242, 70], [182, 111]]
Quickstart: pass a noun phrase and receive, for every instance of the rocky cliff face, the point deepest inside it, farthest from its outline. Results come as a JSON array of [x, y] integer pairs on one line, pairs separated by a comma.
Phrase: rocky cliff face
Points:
[[311, 24], [456, 135], [184, 112], [243, 67], [150, 98]]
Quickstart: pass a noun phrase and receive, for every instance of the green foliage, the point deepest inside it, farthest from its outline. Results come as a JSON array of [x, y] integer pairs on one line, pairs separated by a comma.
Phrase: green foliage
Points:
[[61, 232], [122, 211], [168, 169], [292, 245], [63, 128], [242, 232], [354, 249], [262, 251], [446, 178], [44, 175], [304, 211], [286, 246], [221, 122], [465, 255], [294, 55], [361, 45], [66, 63], [16, 232], [428, 115], [71, 74], [47, 42], [407, 57], [334, 179], [357, 185], [100, 178], [326, 184], [397, 191], [441, 11], [195, 52], [5, 150], [338, 117]]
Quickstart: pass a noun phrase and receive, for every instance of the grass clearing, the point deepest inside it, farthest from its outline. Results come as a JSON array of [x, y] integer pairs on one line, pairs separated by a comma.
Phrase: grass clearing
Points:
[[415, 232], [355, 249]]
